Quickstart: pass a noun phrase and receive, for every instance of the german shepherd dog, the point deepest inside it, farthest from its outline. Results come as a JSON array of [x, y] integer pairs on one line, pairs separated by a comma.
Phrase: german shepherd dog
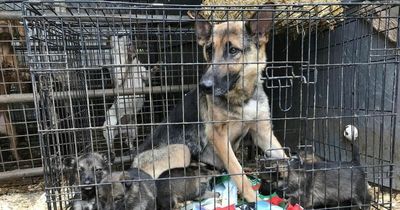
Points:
[[172, 189], [136, 187], [133, 189], [230, 90], [87, 169], [234, 89]]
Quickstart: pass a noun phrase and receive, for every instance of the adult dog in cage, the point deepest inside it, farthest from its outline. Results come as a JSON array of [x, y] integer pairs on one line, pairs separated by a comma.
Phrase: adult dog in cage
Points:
[[11, 77], [321, 184], [231, 93], [125, 78], [87, 170]]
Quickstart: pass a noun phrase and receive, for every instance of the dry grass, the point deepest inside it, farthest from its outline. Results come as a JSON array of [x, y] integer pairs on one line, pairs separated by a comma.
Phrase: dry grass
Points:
[[384, 197], [286, 15], [26, 196]]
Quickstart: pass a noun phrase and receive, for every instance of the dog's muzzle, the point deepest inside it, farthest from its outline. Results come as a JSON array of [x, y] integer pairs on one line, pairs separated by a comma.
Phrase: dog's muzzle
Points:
[[206, 85], [218, 86]]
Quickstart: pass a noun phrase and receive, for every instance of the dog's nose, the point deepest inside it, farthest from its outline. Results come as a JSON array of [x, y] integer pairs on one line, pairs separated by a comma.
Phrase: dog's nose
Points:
[[88, 181], [206, 86]]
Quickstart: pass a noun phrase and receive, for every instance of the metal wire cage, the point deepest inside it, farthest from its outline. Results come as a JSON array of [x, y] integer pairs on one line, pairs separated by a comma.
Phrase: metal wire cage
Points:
[[106, 74], [19, 147]]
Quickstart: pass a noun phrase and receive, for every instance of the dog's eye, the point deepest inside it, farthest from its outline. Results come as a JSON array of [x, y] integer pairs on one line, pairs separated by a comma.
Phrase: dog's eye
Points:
[[233, 50], [98, 170]]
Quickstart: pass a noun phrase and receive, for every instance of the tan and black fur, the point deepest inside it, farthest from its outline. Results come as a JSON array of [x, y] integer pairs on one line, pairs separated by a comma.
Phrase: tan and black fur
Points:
[[231, 94], [155, 162], [136, 188], [173, 189], [234, 89], [86, 171], [133, 189], [10, 75], [319, 183]]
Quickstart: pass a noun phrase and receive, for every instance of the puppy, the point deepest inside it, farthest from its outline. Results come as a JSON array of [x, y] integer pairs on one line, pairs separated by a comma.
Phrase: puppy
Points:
[[178, 188], [88, 202], [86, 170], [321, 184], [307, 154], [133, 189]]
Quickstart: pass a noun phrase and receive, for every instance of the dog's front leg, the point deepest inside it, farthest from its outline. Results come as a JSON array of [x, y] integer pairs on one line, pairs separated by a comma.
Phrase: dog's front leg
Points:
[[264, 137], [218, 135]]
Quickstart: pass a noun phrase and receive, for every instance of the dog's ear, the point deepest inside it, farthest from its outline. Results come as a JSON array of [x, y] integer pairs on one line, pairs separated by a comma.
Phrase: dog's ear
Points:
[[69, 163], [202, 27], [261, 23]]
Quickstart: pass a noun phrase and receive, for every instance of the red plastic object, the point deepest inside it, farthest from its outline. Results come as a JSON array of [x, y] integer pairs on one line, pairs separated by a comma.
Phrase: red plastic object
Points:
[[256, 187], [231, 207], [276, 200], [295, 207]]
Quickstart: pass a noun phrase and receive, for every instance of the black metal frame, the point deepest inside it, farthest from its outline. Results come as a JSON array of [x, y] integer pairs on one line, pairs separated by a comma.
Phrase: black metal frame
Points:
[[70, 57]]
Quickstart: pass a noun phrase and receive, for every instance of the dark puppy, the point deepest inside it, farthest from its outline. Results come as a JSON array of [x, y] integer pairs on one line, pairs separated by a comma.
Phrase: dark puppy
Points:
[[170, 192], [323, 184], [133, 189], [270, 177], [307, 154], [85, 171]]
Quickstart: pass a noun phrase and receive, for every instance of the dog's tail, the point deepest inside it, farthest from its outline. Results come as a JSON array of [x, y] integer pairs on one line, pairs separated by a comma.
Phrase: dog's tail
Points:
[[351, 134]]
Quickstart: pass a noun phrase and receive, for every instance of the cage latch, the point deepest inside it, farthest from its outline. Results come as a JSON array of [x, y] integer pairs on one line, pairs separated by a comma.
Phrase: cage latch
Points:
[[283, 78]]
